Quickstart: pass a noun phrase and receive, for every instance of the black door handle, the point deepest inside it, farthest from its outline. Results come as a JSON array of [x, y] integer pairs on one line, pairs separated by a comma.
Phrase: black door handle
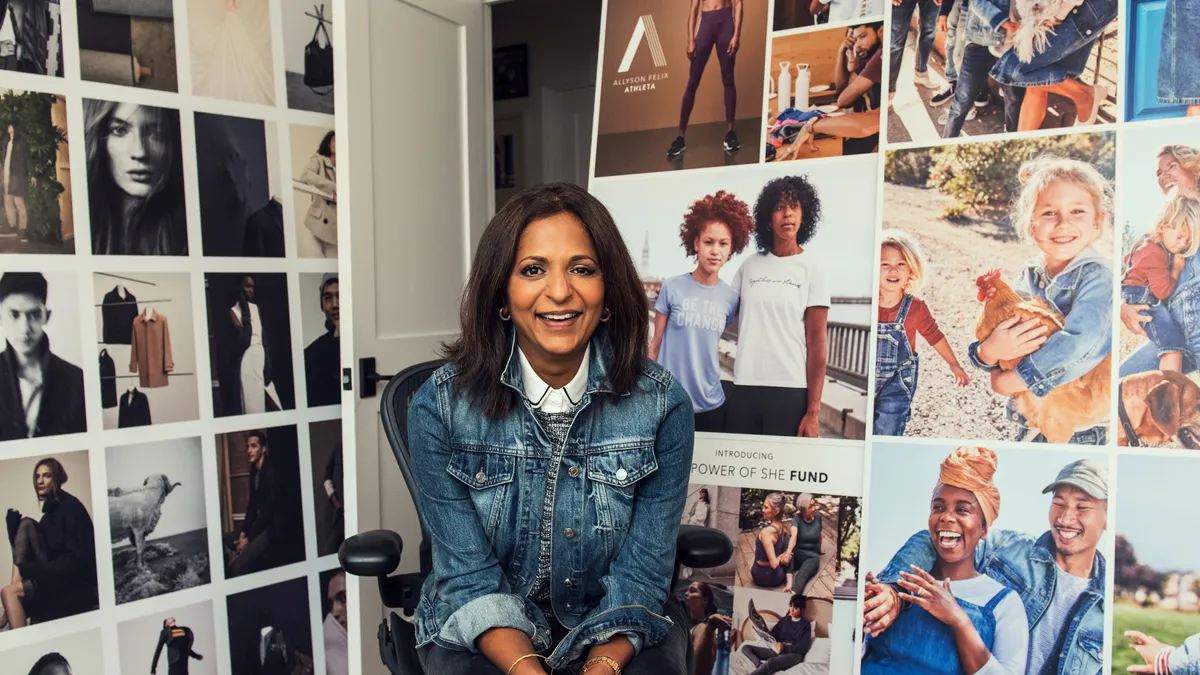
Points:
[[368, 378]]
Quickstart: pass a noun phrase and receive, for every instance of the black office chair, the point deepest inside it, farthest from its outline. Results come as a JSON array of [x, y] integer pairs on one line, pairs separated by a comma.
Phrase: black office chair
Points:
[[377, 553]]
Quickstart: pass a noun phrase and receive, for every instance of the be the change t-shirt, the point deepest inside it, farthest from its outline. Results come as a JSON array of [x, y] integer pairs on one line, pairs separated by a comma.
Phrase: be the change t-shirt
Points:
[[697, 315], [775, 294]]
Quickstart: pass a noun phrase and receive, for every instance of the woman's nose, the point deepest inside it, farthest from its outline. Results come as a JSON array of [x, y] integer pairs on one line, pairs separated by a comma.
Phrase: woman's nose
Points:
[[558, 287]]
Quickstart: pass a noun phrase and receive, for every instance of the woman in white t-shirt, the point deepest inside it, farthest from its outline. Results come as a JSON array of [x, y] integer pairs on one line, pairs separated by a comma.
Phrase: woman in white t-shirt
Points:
[[779, 370]]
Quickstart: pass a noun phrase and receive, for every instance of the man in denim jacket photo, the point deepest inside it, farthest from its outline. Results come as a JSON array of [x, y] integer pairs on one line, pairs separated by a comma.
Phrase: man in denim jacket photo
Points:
[[1059, 575]]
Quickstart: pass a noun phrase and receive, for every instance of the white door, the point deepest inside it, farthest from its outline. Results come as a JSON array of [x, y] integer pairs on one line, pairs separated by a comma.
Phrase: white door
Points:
[[415, 188], [567, 134]]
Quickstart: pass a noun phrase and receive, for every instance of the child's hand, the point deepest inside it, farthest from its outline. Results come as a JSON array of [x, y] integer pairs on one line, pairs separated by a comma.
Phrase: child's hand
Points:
[[1012, 339], [960, 376]]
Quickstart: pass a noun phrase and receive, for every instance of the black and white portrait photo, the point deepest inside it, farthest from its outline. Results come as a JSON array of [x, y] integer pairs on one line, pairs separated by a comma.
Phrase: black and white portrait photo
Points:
[[35, 174], [128, 43], [262, 522], [335, 615], [178, 641], [314, 190], [72, 654], [51, 542], [156, 518], [308, 54], [250, 343], [270, 631], [329, 488], [41, 383], [31, 37], [135, 179], [320, 317], [147, 348], [237, 166]]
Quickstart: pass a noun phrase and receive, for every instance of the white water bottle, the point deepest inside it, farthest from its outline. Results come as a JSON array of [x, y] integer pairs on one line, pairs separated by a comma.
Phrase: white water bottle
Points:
[[803, 79], [785, 88]]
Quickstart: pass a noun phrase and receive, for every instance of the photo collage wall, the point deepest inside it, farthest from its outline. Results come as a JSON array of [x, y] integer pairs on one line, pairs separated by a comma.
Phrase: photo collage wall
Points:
[[170, 380], [914, 262]]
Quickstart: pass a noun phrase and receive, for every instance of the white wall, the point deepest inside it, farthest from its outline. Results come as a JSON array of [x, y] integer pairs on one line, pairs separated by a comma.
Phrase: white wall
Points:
[[564, 40]]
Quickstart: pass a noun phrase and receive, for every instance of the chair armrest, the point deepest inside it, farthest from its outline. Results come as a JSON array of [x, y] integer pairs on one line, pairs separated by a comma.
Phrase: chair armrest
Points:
[[702, 547], [371, 554]]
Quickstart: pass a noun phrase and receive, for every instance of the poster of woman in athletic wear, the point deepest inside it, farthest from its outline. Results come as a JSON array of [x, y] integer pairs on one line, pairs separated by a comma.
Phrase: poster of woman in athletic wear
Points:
[[681, 85]]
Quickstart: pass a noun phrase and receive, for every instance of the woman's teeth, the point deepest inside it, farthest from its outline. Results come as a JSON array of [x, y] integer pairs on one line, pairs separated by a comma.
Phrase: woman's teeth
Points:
[[565, 316], [949, 539]]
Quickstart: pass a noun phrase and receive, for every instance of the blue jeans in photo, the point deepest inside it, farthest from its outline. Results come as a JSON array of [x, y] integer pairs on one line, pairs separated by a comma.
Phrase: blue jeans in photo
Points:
[[977, 61], [955, 40], [901, 21], [1161, 329]]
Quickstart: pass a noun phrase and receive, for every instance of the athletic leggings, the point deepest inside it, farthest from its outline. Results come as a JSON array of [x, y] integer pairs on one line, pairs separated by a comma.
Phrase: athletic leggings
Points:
[[716, 30]]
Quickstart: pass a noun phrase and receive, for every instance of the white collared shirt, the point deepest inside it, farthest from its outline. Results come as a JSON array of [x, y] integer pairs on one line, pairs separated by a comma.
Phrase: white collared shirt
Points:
[[548, 399]]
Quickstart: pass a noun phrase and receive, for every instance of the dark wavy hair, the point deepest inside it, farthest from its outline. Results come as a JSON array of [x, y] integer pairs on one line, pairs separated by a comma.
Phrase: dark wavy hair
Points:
[[57, 472], [52, 659], [158, 225], [324, 149], [482, 348], [794, 190], [722, 207]]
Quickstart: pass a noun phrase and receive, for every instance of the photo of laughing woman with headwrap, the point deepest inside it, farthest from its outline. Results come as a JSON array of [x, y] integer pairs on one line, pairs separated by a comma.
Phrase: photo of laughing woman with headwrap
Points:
[[135, 179]]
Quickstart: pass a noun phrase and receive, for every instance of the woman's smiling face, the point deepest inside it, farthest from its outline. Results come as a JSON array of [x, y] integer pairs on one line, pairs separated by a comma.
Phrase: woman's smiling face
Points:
[[955, 523], [1065, 221], [135, 142], [1171, 173], [556, 291]]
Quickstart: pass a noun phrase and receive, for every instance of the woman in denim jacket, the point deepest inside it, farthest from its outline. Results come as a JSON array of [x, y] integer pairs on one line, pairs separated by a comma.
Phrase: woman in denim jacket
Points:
[[552, 459]]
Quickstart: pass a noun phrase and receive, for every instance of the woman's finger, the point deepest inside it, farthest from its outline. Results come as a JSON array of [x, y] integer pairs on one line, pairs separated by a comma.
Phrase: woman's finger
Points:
[[916, 600], [923, 579], [925, 575]]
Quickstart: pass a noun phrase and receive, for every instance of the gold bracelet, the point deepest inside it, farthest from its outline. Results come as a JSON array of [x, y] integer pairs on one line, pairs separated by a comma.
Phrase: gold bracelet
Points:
[[606, 660], [527, 656]]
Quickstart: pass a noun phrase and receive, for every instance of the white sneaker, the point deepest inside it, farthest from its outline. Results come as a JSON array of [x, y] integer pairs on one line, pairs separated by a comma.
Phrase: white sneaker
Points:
[[945, 117], [926, 80]]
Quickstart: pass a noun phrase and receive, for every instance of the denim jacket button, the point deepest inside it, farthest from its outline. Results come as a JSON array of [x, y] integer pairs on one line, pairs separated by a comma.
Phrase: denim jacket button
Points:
[[569, 533], [1088, 32], [573, 472], [622, 474], [567, 583], [481, 477]]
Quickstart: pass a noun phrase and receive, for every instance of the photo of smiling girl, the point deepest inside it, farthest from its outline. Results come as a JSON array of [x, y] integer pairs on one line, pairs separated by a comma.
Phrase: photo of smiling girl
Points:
[[693, 309], [135, 179]]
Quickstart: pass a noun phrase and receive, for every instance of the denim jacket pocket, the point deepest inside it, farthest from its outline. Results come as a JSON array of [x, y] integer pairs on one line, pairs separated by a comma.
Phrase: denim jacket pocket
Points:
[[613, 477], [490, 476], [1091, 657]]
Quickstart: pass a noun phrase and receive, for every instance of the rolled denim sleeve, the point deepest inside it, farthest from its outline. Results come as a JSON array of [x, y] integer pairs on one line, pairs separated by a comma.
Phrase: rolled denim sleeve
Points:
[[918, 550], [1083, 342], [973, 356], [1185, 659], [990, 12], [467, 578], [638, 582]]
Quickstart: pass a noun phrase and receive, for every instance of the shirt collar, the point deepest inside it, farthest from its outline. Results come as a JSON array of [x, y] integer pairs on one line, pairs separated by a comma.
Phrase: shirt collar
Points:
[[543, 396]]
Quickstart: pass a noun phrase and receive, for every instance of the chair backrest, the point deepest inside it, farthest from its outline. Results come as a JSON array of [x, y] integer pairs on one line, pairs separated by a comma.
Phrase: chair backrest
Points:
[[393, 409]]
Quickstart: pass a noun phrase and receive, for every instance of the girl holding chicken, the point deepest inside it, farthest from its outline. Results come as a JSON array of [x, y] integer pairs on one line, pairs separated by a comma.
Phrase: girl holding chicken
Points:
[[901, 316], [1063, 208]]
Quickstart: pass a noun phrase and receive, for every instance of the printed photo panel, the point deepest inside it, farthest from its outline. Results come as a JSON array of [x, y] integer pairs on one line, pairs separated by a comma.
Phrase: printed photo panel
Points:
[[51, 539], [39, 319], [269, 629], [736, 324], [237, 161], [314, 190], [181, 639], [335, 615], [231, 50], [786, 633], [791, 14], [962, 70], [320, 316], [1159, 396], [135, 156], [37, 179], [308, 55], [147, 348], [73, 654], [1155, 602], [825, 93], [262, 521], [156, 517], [31, 38], [1004, 527], [670, 100], [128, 44], [998, 255], [1160, 59], [328, 485]]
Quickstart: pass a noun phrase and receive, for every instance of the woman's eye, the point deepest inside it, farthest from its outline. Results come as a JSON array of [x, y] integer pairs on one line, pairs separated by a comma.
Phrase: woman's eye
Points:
[[531, 270], [118, 130], [583, 270]]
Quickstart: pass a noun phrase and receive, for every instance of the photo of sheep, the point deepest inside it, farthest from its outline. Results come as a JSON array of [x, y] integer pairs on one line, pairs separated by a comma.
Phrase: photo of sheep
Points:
[[156, 518], [1000, 255]]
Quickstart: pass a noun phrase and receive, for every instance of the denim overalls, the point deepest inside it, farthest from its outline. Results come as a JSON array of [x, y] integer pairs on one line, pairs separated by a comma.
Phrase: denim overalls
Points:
[[919, 643], [1178, 62], [896, 368]]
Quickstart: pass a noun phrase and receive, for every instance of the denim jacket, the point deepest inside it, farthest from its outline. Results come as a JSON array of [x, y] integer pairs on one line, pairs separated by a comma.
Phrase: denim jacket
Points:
[[621, 489], [1082, 294], [1027, 566], [984, 18], [1185, 659]]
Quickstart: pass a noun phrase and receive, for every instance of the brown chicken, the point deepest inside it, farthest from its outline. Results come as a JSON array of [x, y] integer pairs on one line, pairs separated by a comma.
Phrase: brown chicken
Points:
[[1074, 405]]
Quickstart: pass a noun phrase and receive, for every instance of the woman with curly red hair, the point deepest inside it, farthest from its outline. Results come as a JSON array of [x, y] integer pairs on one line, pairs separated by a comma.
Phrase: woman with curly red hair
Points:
[[693, 309]]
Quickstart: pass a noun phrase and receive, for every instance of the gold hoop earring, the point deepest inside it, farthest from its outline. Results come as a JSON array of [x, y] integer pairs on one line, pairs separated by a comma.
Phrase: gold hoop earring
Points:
[[605, 315], [505, 315]]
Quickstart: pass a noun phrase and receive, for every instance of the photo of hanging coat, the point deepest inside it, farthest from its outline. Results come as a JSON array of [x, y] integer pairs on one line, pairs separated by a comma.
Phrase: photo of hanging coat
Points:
[[150, 351], [135, 410], [118, 312], [108, 380]]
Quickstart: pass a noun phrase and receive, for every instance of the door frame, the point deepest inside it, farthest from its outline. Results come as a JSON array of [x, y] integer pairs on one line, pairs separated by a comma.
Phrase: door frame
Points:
[[352, 124]]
